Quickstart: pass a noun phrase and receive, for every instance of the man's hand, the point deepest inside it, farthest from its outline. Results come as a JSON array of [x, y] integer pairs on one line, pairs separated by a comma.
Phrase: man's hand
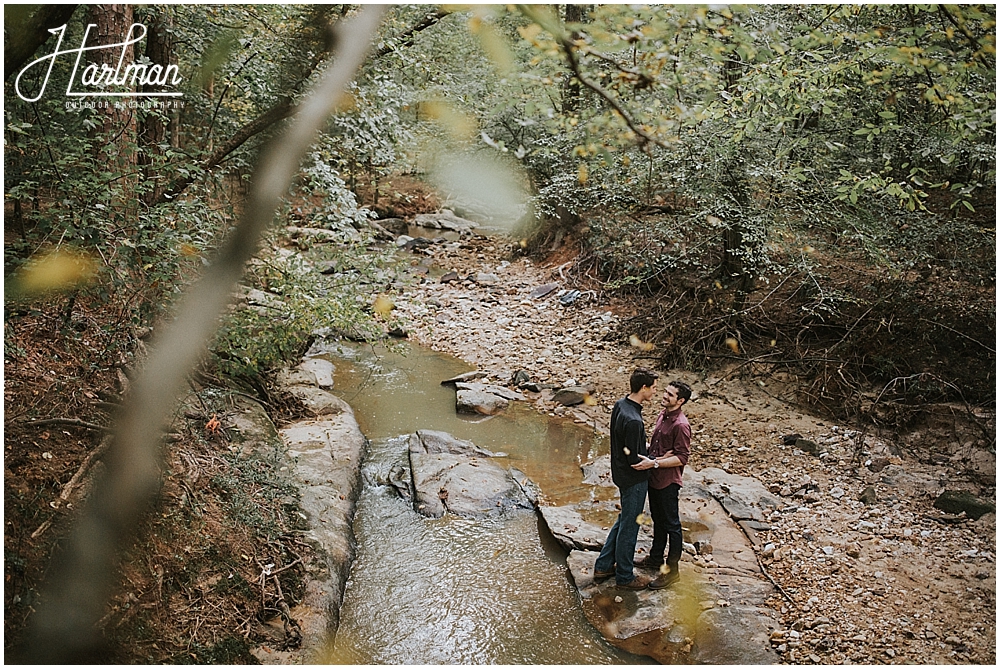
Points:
[[643, 464]]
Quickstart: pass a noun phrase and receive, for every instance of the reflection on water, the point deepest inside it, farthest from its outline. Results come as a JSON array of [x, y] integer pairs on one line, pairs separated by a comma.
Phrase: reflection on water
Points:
[[453, 590]]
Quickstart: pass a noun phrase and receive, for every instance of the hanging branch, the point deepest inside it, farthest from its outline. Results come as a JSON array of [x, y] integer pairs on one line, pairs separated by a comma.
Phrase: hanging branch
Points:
[[568, 47], [75, 595]]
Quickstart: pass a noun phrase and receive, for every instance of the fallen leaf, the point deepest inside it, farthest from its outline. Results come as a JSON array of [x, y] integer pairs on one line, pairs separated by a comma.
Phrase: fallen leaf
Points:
[[640, 344]]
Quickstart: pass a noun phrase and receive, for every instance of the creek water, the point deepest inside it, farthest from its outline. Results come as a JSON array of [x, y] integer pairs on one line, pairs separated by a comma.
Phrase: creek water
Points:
[[453, 590]]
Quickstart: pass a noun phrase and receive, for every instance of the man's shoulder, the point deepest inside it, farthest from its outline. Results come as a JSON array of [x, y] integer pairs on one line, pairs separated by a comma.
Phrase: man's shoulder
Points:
[[627, 406]]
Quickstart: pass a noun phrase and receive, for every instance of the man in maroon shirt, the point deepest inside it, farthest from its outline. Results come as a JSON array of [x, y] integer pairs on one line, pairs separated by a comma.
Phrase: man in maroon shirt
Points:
[[669, 448]]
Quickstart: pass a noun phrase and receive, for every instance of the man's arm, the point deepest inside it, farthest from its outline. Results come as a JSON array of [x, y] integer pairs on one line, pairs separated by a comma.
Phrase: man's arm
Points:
[[676, 457], [635, 442]]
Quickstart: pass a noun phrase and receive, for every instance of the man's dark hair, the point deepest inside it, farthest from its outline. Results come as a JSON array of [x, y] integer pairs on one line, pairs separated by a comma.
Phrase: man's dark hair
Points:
[[683, 390], [642, 377]]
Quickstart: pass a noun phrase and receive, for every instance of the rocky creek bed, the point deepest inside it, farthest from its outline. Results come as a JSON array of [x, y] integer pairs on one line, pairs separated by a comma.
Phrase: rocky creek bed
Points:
[[867, 568], [848, 550]]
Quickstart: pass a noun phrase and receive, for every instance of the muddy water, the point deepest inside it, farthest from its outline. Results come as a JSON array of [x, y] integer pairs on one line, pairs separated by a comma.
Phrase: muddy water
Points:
[[453, 590]]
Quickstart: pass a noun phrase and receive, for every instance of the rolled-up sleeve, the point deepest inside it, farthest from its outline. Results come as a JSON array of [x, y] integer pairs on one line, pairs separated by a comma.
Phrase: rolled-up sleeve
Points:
[[682, 442]]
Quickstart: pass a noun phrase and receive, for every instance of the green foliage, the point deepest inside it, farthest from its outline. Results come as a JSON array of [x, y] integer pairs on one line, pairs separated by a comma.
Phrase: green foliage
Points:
[[755, 114], [260, 337]]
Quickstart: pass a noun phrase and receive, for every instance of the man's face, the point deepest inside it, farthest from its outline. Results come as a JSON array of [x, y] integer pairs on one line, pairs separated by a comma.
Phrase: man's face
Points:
[[649, 392], [671, 401]]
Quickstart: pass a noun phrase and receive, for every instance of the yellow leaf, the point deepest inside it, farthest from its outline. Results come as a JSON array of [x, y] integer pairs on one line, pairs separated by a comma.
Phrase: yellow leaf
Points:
[[496, 48], [383, 305], [458, 124], [529, 32], [58, 270], [733, 345], [581, 173], [347, 102], [589, 400], [643, 519], [640, 344]]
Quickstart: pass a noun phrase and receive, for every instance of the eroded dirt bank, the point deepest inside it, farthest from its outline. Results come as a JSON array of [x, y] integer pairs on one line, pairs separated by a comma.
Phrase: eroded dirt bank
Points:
[[890, 579]]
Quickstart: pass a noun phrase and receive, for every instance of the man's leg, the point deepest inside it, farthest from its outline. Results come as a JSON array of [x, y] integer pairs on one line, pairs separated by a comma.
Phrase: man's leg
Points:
[[633, 500], [658, 510], [606, 559], [673, 526]]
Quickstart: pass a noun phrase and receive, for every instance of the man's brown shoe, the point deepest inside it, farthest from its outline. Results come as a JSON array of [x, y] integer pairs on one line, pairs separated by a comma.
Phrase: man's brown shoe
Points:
[[665, 580], [648, 562], [637, 583], [602, 575]]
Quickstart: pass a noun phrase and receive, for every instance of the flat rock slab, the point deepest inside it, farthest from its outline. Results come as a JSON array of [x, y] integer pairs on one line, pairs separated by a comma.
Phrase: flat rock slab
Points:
[[571, 530], [463, 481], [325, 457], [716, 613], [435, 441], [444, 220], [743, 497], [321, 369], [479, 402]]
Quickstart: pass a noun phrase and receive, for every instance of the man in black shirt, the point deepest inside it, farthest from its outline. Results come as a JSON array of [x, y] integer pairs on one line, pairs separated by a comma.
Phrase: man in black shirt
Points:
[[628, 442]]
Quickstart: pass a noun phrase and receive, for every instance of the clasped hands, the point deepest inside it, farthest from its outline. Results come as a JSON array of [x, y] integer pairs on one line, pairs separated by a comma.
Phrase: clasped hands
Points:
[[646, 463]]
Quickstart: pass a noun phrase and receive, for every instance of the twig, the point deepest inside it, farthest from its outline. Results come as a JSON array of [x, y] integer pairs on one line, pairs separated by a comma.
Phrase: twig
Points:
[[67, 490], [75, 422], [287, 566], [568, 47], [960, 334], [291, 625], [763, 569]]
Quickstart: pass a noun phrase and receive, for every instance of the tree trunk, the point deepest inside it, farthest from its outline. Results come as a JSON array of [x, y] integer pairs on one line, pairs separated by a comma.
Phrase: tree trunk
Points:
[[118, 121], [571, 92], [116, 135], [154, 123]]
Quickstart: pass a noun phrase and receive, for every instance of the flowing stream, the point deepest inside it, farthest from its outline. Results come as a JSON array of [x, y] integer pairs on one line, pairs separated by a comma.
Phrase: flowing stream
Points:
[[454, 590]]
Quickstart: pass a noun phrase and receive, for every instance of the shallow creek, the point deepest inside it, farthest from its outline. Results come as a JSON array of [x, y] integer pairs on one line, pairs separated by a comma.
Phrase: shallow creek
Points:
[[453, 590]]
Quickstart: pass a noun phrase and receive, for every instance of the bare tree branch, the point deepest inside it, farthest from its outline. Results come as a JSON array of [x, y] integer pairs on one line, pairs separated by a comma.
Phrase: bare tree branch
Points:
[[75, 596]]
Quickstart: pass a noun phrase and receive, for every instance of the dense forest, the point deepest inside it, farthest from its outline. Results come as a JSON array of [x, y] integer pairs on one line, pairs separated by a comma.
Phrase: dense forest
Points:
[[793, 188]]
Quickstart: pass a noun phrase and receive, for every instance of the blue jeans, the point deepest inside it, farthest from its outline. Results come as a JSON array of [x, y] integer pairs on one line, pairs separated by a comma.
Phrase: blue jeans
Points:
[[619, 547]]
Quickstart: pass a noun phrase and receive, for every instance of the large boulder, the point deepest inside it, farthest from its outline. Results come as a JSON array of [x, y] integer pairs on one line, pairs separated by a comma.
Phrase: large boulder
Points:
[[572, 395], [454, 476], [963, 501]]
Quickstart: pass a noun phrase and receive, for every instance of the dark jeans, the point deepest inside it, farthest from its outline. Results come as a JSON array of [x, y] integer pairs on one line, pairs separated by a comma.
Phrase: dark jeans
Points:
[[619, 547], [666, 524]]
